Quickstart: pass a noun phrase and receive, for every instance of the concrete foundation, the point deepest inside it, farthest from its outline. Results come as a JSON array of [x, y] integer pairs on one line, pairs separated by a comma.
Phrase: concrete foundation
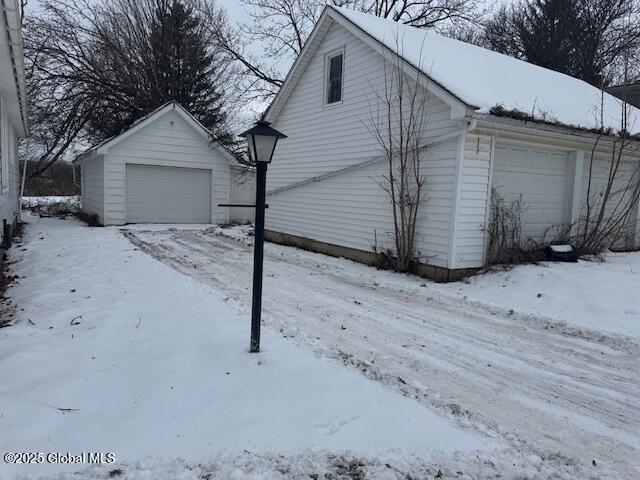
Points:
[[437, 274]]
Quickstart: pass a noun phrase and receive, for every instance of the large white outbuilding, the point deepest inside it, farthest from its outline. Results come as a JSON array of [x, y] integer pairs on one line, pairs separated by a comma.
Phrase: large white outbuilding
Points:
[[324, 184], [163, 169]]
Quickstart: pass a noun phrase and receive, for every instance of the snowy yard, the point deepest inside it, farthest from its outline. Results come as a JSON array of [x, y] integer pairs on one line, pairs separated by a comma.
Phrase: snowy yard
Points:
[[589, 295], [541, 385], [113, 351]]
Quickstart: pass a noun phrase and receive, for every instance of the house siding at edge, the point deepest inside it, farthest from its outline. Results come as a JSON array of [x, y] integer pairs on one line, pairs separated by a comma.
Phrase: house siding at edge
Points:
[[9, 172], [13, 121], [318, 202]]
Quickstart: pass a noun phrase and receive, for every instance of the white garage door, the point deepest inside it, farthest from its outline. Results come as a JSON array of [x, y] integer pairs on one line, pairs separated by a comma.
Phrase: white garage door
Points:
[[540, 176], [167, 194]]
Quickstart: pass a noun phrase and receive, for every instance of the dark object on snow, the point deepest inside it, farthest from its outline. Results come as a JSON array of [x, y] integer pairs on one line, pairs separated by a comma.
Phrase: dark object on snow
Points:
[[6, 235], [561, 253]]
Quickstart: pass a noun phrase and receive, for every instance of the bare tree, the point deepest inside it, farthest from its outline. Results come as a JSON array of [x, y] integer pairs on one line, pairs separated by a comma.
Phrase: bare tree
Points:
[[281, 28], [398, 122], [612, 190], [610, 211], [93, 68]]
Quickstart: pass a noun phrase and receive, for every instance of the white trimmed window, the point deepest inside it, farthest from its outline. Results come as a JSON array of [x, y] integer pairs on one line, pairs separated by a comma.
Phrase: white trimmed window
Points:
[[335, 76]]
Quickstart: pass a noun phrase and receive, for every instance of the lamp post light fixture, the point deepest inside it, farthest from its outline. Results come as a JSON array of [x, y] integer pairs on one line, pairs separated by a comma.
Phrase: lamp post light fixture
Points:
[[261, 140]]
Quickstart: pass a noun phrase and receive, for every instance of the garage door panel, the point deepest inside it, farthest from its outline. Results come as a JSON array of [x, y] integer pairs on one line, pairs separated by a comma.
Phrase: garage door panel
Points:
[[518, 159], [156, 194], [538, 176], [540, 161], [501, 156]]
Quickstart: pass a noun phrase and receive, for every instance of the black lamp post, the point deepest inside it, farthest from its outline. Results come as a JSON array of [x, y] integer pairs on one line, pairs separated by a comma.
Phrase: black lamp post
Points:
[[261, 140]]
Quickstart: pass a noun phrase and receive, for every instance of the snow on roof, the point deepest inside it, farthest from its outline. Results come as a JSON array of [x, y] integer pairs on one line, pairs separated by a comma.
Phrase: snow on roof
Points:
[[483, 79]]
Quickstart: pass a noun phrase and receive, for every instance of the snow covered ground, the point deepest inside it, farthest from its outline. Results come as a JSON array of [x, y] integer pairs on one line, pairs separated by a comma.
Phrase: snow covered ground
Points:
[[113, 351], [556, 389], [599, 296]]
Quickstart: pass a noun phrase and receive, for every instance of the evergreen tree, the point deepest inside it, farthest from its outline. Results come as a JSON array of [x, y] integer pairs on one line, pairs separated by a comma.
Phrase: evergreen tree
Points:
[[546, 29], [184, 66], [582, 38], [153, 52]]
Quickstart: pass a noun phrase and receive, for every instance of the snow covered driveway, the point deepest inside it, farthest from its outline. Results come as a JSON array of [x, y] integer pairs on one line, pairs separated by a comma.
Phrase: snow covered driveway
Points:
[[114, 352], [550, 389]]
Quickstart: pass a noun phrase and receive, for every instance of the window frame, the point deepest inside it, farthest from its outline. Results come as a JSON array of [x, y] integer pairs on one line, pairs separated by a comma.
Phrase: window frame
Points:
[[327, 67]]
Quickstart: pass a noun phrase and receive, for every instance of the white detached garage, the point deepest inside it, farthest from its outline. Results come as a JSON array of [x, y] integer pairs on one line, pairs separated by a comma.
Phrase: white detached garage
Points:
[[163, 169], [324, 186]]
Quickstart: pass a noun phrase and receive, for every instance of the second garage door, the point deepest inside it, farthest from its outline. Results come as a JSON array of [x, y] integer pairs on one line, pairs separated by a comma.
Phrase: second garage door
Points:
[[540, 176], [157, 194]]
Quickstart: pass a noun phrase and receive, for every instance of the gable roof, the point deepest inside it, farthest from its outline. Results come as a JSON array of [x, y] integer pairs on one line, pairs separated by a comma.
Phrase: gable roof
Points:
[[477, 78], [102, 147]]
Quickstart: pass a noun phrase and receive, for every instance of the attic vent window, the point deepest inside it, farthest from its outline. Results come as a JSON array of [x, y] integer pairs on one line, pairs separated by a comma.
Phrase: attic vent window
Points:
[[334, 78]]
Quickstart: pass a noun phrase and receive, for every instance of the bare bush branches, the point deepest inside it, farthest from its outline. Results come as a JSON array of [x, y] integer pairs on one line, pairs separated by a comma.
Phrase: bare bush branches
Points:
[[504, 230], [398, 122]]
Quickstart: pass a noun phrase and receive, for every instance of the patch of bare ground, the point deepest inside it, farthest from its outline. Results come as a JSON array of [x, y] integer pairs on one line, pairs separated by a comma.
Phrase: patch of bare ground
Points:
[[7, 278]]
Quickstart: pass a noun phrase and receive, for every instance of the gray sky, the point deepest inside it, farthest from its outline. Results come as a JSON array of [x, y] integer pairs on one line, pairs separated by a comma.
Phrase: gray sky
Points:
[[237, 13]]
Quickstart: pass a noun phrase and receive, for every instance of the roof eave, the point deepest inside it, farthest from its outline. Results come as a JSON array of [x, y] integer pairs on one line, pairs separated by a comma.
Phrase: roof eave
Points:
[[564, 134], [10, 20]]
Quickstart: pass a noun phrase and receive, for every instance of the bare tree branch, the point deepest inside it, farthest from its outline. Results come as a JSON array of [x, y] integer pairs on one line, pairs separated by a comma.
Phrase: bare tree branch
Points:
[[281, 27]]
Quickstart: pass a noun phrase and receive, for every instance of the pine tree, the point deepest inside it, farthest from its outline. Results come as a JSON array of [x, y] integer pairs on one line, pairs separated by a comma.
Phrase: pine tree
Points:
[[184, 67], [149, 53], [546, 29], [582, 38]]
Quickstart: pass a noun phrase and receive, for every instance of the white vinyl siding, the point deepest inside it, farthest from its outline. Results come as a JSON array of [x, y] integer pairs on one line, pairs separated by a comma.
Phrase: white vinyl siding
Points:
[[9, 174], [351, 209], [473, 200], [92, 186], [243, 192], [168, 141], [5, 149], [436, 213]]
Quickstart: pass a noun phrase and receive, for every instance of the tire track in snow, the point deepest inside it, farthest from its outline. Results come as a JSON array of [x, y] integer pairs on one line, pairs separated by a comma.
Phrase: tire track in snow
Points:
[[533, 385]]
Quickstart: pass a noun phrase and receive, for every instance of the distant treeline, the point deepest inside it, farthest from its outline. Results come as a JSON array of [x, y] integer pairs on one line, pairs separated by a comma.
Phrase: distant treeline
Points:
[[56, 180]]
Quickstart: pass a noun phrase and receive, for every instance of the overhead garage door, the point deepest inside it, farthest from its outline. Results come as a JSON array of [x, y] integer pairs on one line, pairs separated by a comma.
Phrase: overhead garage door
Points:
[[167, 194], [540, 176]]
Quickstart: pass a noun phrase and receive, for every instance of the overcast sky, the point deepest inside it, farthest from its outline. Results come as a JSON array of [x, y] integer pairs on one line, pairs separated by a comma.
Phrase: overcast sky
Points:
[[237, 13], [236, 9]]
